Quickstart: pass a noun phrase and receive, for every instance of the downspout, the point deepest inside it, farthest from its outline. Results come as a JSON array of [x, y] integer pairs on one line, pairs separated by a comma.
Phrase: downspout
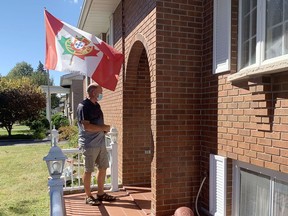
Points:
[[202, 209]]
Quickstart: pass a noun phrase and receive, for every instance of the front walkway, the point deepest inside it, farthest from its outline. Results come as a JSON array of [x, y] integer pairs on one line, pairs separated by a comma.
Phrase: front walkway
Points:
[[132, 201]]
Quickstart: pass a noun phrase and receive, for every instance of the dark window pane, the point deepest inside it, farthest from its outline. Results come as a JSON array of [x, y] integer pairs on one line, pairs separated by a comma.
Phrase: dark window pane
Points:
[[254, 22], [274, 42], [274, 12], [245, 55], [248, 32], [286, 39], [253, 51], [285, 9], [254, 194], [280, 202]]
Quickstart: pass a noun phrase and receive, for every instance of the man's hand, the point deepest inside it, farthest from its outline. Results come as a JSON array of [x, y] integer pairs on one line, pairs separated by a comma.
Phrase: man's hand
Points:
[[107, 128], [95, 128]]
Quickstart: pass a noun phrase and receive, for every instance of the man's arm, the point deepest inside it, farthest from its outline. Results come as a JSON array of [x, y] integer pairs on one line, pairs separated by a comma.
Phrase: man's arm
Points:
[[95, 128]]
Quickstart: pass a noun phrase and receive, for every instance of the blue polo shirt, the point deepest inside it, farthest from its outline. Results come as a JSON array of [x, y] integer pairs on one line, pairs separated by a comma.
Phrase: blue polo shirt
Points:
[[91, 112]]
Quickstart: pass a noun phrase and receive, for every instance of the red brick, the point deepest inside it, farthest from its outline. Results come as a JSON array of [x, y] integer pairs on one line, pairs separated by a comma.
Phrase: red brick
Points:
[[280, 144], [271, 165], [257, 162], [272, 151], [263, 156], [264, 141]]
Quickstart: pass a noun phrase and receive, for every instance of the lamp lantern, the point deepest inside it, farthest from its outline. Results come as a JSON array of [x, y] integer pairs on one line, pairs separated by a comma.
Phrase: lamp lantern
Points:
[[113, 134], [55, 161]]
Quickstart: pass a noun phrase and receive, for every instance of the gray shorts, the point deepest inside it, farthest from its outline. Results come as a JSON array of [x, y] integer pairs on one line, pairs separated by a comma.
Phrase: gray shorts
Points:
[[95, 156]]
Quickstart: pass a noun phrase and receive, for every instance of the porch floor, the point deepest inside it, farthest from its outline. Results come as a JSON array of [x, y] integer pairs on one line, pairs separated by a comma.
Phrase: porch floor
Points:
[[132, 201]]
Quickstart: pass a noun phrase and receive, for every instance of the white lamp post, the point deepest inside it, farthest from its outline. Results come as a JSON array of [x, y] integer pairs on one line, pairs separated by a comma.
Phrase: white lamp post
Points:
[[114, 164], [55, 161]]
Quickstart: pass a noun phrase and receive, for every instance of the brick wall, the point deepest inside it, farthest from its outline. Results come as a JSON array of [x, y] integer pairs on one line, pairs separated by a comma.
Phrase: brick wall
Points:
[[161, 103], [209, 102], [169, 97], [251, 116], [168, 101], [137, 92], [112, 103], [178, 89], [138, 144], [129, 107], [77, 95], [255, 128]]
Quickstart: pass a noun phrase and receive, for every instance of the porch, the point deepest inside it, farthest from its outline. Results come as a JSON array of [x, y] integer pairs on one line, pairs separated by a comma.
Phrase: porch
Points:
[[131, 201], [67, 195]]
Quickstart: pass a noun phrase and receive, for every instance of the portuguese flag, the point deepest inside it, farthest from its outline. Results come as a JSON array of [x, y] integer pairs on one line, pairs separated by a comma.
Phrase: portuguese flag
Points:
[[70, 49]]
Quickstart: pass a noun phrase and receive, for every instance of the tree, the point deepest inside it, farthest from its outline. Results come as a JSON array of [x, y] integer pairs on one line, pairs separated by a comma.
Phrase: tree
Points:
[[40, 67], [22, 69], [20, 100], [40, 77]]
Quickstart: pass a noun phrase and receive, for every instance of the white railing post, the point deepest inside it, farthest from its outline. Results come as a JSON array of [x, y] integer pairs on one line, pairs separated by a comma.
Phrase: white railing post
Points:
[[114, 160], [57, 206], [55, 161]]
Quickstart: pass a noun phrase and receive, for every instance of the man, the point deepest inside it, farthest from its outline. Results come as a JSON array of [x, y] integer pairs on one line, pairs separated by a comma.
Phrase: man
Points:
[[92, 139]]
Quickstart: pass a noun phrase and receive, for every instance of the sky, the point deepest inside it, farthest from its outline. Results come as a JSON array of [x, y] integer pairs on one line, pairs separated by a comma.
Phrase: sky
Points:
[[22, 30]]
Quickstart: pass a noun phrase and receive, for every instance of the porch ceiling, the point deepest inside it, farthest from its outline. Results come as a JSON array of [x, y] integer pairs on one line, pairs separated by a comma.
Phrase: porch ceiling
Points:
[[66, 80], [95, 15], [55, 89]]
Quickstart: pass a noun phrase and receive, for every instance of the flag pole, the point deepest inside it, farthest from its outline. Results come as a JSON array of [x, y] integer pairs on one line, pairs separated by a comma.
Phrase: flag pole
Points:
[[49, 105]]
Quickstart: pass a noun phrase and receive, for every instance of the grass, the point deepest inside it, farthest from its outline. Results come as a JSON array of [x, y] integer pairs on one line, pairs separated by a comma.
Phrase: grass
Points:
[[23, 180], [18, 132]]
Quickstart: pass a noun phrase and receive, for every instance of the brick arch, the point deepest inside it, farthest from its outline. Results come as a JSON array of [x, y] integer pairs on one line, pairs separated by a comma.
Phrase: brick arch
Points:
[[138, 43], [137, 138]]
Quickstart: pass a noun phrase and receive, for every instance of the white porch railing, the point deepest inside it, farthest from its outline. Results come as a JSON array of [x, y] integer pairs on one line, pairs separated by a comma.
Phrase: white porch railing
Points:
[[73, 169]]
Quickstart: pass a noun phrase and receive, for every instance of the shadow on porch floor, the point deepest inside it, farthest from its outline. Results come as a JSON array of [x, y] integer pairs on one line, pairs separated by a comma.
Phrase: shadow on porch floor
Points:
[[132, 201]]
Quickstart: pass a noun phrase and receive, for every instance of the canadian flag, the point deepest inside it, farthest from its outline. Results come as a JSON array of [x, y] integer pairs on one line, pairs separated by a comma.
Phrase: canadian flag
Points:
[[73, 50]]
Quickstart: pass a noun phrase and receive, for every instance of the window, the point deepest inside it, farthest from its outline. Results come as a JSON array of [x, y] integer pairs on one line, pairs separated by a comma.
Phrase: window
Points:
[[109, 34], [248, 32], [221, 36], [263, 32], [276, 28], [259, 191]]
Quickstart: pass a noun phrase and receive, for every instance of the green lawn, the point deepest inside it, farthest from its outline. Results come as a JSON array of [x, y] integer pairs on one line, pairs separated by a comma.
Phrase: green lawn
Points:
[[23, 180], [18, 132]]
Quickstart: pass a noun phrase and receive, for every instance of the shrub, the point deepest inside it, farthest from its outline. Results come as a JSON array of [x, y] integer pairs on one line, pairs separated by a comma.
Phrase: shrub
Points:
[[42, 123], [39, 134], [59, 120], [69, 133], [39, 127]]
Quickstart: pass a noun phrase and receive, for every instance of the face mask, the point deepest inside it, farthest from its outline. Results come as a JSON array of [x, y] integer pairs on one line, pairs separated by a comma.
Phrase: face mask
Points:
[[100, 96]]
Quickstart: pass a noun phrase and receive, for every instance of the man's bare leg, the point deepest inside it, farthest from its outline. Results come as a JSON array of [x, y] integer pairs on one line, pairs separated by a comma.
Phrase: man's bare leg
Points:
[[87, 183], [101, 180]]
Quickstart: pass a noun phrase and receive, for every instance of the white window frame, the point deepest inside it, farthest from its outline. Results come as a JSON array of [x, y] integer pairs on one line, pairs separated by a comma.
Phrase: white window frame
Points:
[[237, 165], [261, 65], [222, 23], [109, 33]]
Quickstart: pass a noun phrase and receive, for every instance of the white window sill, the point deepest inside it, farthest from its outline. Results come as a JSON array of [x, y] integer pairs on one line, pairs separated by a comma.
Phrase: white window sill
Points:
[[252, 71]]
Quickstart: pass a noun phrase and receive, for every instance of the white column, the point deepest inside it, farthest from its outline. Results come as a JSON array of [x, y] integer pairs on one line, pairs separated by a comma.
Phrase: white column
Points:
[[114, 167], [114, 164]]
